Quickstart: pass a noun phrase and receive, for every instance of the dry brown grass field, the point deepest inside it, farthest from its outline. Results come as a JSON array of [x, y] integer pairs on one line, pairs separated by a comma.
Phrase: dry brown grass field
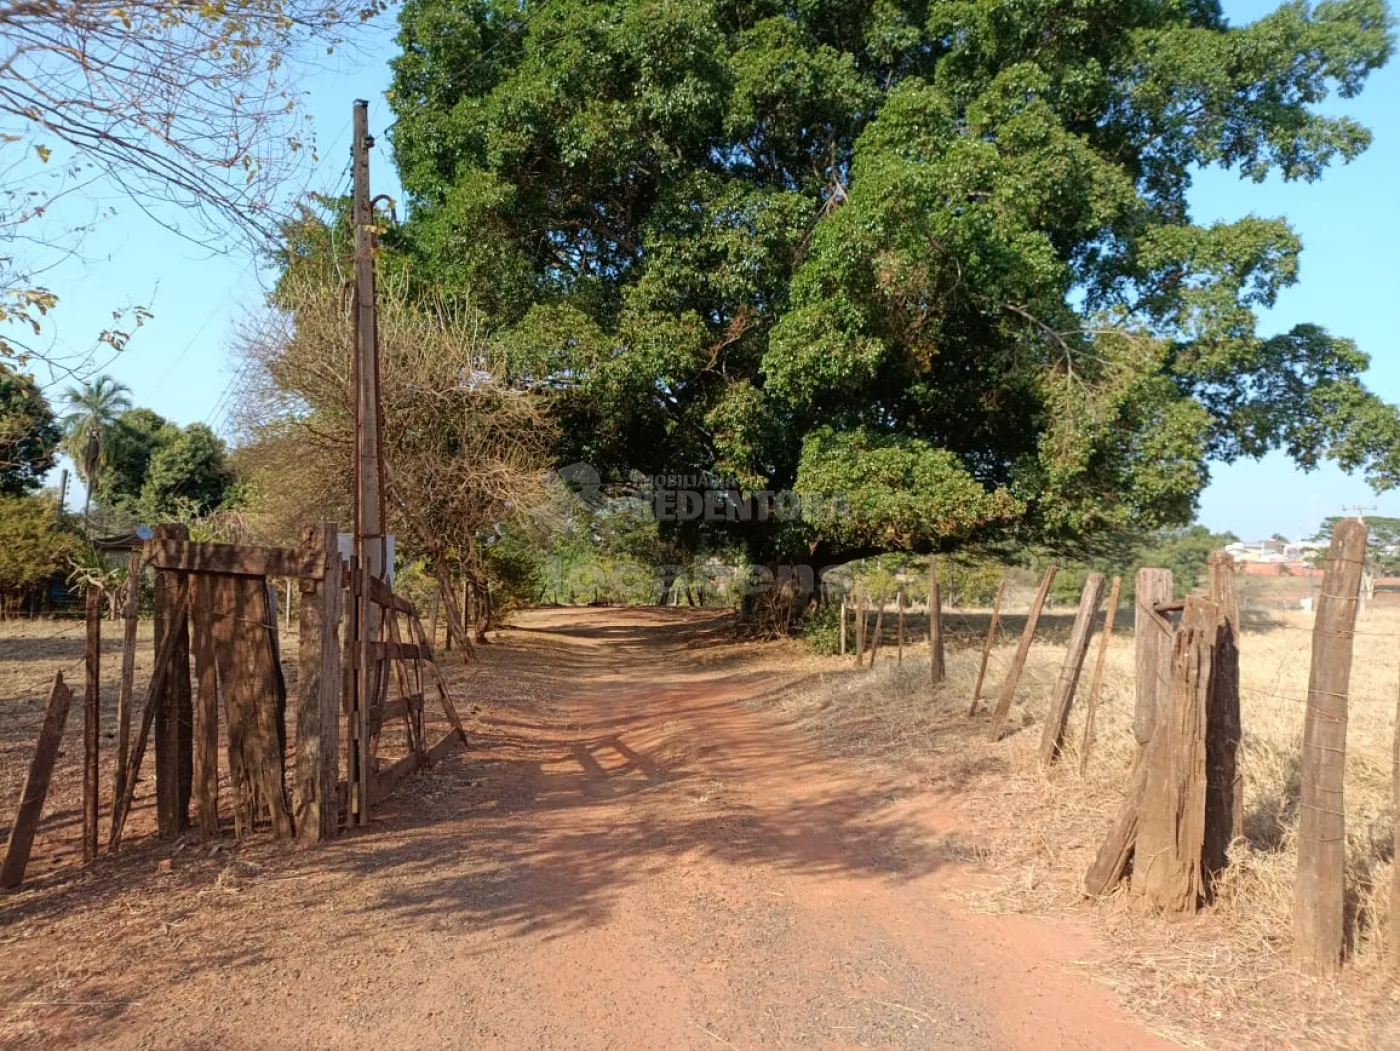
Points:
[[1225, 978]]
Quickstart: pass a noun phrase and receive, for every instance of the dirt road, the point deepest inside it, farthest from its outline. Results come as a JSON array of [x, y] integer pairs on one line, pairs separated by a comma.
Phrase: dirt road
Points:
[[633, 856]]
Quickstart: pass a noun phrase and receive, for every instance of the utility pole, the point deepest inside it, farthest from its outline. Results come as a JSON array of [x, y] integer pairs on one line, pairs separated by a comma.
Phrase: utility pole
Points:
[[369, 468]]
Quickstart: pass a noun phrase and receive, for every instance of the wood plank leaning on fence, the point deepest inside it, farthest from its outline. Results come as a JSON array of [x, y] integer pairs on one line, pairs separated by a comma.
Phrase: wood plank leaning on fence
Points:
[[1318, 903], [1052, 735], [1018, 663], [987, 647], [36, 786], [1096, 687]]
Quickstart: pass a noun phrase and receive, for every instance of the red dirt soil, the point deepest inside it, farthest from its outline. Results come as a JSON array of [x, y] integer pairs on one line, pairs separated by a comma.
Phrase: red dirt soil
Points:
[[630, 856]]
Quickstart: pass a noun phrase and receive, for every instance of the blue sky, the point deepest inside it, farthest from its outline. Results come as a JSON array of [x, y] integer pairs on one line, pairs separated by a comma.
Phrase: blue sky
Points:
[[180, 364]]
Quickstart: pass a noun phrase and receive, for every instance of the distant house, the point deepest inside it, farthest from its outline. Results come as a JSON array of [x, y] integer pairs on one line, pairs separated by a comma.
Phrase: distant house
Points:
[[1277, 558]]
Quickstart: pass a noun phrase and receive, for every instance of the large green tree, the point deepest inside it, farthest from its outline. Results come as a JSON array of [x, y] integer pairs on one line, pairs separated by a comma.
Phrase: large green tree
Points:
[[29, 435], [937, 254], [188, 473], [131, 440]]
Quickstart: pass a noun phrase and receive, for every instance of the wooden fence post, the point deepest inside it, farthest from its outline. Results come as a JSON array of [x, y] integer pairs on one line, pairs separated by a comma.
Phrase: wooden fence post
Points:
[[860, 629], [36, 786], [879, 631], [174, 725], [203, 611], [1097, 685], [131, 607], [843, 624], [1318, 893], [1224, 782], [1172, 815], [987, 647], [315, 804], [1392, 935], [1018, 663], [936, 665], [1053, 733], [1152, 641], [92, 718], [899, 636]]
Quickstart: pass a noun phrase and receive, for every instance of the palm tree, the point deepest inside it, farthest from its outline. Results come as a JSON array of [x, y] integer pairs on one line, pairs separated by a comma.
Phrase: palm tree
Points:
[[93, 407]]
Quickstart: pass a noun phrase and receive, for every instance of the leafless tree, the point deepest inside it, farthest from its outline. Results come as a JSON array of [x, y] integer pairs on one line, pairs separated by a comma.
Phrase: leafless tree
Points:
[[188, 109], [465, 451]]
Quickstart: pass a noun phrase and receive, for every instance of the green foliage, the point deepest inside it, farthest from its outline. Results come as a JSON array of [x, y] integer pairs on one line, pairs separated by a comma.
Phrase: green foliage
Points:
[[35, 546], [821, 630], [190, 470], [938, 256], [1183, 551], [1382, 542], [130, 442], [515, 567], [161, 472], [29, 436]]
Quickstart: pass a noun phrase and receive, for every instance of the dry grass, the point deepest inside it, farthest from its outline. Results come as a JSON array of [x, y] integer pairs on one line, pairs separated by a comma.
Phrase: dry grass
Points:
[[1224, 978]]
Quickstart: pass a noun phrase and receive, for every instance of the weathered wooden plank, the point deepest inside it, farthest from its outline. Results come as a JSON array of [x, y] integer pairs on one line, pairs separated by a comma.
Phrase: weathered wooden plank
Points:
[[381, 595], [1172, 815], [318, 693], [410, 713], [455, 628], [1152, 641], [1062, 700], [206, 709], [174, 727], [166, 653], [384, 782], [1018, 663], [860, 629], [92, 718], [401, 651], [899, 632], [256, 763], [879, 631], [1224, 781], [938, 667], [987, 648], [131, 605], [398, 707], [1097, 685], [449, 709], [36, 786], [1111, 861], [246, 560], [1318, 904]]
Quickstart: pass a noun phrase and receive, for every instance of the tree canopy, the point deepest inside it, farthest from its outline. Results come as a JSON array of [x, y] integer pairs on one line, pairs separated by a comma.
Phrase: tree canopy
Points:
[[155, 469], [34, 545], [29, 435], [937, 254]]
